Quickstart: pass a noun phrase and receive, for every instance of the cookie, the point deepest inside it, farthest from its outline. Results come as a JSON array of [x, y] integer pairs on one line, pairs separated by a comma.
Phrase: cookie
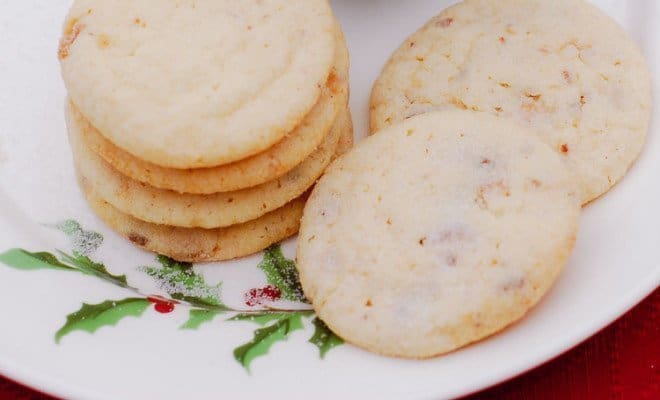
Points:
[[202, 245], [252, 171], [436, 232], [165, 207], [562, 67], [192, 84]]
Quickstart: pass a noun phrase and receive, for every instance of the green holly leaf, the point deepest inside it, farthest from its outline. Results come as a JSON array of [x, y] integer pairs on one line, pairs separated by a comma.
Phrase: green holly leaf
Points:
[[82, 241], [85, 265], [265, 317], [27, 261], [264, 338], [198, 317], [324, 338], [282, 273], [180, 281], [91, 317]]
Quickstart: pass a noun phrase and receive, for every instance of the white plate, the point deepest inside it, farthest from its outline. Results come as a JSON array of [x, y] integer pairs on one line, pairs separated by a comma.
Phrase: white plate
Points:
[[614, 266]]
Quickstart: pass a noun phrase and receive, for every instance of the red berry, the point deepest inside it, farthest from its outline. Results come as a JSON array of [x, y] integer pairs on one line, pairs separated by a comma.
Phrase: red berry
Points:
[[164, 308], [263, 295], [161, 305], [272, 293]]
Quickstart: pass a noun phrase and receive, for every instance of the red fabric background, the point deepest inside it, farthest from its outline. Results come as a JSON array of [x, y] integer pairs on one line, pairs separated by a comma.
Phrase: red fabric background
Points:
[[621, 362]]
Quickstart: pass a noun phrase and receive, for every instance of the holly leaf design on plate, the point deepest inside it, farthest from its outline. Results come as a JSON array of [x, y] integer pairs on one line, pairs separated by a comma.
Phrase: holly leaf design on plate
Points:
[[264, 338], [199, 317], [179, 280], [82, 242], [265, 317], [324, 338], [27, 261], [85, 265], [91, 317], [282, 273]]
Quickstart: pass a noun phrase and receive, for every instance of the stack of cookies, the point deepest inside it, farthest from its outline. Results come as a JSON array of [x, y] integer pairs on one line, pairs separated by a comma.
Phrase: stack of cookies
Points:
[[198, 127]]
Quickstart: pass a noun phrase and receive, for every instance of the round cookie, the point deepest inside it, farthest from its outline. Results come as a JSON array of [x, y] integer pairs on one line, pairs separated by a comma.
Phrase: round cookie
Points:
[[252, 171], [192, 84], [562, 67], [202, 245], [436, 232], [165, 207]]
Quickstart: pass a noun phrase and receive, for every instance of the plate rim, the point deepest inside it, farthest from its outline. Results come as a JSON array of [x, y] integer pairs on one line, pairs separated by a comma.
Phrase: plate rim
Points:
[[604, 317]]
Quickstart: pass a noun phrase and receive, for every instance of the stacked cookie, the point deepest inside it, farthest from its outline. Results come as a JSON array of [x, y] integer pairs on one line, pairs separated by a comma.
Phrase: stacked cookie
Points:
[[492, 126], [198, 127]]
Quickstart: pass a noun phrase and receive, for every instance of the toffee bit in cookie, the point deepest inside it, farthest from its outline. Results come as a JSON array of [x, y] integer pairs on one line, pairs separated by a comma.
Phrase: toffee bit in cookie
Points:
[[455, 101], [69, 38], [583, 100], [535, 97], [138, 239], [445, 22], [333, 82], [564, 148], [70, 25]]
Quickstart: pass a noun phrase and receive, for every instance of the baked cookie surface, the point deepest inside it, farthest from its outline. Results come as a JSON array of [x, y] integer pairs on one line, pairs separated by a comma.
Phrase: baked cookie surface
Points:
[[191, 84], [265, 166], [562, 67], [436, 232]]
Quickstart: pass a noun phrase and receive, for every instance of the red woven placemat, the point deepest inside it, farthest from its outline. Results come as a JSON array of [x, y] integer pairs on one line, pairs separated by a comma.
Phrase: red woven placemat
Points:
[[621, 362]]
